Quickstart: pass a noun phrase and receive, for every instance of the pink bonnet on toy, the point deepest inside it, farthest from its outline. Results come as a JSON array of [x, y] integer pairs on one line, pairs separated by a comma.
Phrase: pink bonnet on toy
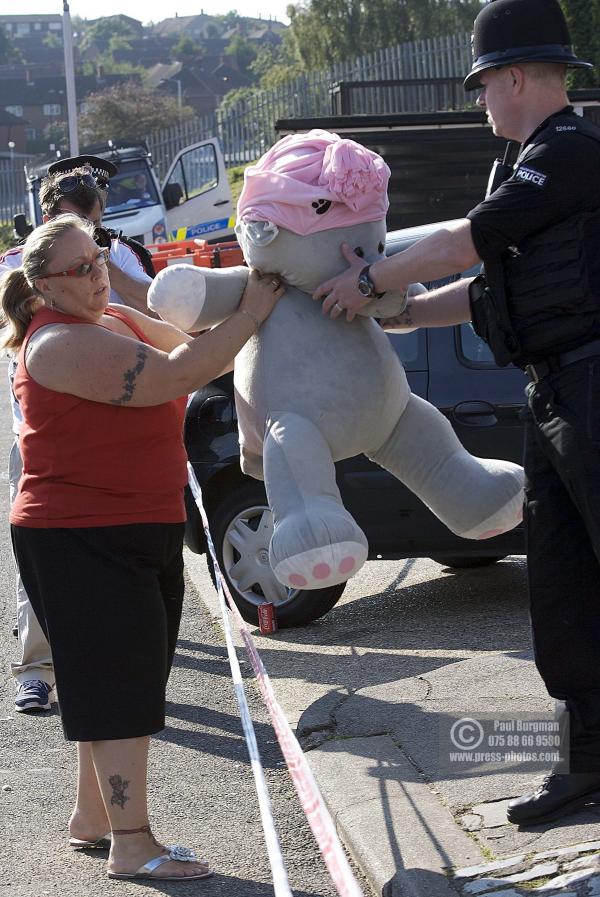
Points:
[[315, 181]]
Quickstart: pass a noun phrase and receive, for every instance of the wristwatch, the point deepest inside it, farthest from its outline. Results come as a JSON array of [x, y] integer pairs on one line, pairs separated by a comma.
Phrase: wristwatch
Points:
[[366, 287]]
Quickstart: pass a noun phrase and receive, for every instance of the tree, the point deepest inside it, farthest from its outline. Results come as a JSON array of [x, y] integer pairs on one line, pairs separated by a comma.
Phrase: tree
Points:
[[103, 30], [187, 49], [9, 53], [583, 18], [241, 52], [328, 31], [129, 112], [276, 64]]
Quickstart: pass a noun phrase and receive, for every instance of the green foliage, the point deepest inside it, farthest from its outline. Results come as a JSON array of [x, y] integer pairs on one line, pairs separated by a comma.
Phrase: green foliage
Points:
[[241, 52], [129, 112], [103, 30], [9, 52], [275, 65], [52, 39], [328, 31], [583, 18], [235, 176], [187, 49], [6, 237], [238, 98]]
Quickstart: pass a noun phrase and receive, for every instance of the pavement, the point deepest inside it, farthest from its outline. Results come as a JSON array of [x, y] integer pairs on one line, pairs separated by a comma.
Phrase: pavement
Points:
[[372, 691]]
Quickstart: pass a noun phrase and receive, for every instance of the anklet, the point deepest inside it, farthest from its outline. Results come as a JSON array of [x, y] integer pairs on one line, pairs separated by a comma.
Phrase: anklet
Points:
[[144, 830]]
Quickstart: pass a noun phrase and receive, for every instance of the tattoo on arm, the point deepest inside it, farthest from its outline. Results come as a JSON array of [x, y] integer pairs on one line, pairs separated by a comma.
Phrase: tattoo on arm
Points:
[[119, 787], [130, 376], [405, 317]]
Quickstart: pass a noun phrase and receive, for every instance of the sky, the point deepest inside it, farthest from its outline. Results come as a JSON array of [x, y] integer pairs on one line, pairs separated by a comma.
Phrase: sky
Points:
[[156, 10]]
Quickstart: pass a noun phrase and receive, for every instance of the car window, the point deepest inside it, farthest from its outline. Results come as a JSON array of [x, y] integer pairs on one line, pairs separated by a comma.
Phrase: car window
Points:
[[411, 349], [132, 188], [472, 349]]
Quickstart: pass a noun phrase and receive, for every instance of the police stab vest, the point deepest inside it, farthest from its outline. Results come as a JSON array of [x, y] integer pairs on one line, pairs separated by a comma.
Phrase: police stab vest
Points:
[[544, 283]]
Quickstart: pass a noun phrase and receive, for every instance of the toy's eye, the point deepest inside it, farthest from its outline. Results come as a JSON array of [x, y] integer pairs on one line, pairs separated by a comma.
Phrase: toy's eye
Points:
[[359, 251], [380, 248]]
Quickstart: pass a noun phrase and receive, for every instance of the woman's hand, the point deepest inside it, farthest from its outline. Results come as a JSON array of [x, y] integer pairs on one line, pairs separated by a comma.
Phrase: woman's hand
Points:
[[261, 295]]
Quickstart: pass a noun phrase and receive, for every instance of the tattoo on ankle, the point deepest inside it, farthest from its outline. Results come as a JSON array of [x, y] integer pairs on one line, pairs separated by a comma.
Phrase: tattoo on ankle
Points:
[[130, 376], [119, 786]]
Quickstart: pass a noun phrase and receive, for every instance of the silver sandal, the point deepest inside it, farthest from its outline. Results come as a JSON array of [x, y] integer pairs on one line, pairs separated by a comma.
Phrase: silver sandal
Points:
[[180, 854]]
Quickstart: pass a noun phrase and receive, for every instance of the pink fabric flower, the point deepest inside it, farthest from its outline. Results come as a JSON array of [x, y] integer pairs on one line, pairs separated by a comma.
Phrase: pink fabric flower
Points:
[[353, 173]]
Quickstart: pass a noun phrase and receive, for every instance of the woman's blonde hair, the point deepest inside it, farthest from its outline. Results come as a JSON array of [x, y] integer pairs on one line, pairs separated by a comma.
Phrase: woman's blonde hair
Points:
[[19, 298]]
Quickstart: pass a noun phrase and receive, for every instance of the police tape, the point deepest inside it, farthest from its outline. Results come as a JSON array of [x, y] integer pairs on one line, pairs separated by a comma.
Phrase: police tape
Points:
[[312, 803]]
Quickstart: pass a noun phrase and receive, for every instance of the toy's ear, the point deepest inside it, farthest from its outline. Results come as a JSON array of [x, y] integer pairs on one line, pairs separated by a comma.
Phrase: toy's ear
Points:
[[259, 233]]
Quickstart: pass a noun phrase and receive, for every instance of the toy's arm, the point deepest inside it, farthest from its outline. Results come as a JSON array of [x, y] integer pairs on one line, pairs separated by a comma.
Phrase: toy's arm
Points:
[[196, 298], [391, 303]]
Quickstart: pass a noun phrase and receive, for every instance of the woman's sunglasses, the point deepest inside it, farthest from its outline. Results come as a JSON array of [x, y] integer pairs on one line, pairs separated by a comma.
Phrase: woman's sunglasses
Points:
[[82, 270], [71, 182]]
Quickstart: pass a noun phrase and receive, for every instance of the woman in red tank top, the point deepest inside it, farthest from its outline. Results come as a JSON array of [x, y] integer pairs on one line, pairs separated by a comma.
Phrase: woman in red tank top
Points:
[[98, 521]]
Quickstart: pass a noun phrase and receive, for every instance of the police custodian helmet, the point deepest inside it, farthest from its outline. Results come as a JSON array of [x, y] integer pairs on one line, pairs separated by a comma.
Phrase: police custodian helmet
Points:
[[508, 31]]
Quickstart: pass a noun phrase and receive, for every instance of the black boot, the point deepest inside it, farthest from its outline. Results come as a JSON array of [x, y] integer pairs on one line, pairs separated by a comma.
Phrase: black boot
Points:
[[558, 795]]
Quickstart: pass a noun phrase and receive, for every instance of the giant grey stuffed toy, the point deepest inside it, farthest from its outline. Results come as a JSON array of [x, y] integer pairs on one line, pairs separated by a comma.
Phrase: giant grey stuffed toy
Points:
[[311, 390]]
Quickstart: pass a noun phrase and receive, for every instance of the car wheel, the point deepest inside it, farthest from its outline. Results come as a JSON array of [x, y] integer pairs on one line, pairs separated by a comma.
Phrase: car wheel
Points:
[[467, 562], [241, 527]]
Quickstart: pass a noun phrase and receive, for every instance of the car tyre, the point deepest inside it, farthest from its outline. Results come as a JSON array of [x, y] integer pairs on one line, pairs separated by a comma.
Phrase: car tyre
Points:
[[241, 527], [467, 562]]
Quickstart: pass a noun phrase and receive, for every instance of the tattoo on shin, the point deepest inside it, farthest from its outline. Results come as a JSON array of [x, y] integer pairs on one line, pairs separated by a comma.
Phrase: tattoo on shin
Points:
[[119, 786], [130, 376]]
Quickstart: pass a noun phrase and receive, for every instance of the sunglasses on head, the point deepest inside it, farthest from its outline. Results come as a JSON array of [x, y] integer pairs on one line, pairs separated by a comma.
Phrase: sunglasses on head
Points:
[[71, 182], [82, 270]]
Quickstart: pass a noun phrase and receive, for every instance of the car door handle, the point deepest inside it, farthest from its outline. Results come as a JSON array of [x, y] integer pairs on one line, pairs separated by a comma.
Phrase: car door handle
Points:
[[475, 414], [221, 202]]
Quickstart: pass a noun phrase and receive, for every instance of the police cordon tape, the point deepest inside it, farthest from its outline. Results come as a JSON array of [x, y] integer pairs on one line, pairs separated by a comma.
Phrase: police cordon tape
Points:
[[312, 803]]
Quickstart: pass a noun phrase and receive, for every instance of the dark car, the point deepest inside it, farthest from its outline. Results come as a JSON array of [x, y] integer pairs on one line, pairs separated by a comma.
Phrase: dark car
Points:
[[449, 366]]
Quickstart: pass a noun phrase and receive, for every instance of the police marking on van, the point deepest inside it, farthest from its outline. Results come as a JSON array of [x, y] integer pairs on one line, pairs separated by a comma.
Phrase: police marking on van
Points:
[[198, 230]]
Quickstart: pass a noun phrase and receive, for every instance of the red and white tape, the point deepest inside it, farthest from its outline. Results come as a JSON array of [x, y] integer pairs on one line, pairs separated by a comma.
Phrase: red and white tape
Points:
[[312, 802]]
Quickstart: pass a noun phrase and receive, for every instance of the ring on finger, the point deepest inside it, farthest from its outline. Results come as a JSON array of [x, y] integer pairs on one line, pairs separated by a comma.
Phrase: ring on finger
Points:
[[338, 306], [276, 284]]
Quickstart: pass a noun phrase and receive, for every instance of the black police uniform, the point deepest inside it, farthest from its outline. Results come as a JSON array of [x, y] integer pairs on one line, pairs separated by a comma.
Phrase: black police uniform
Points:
[[542, 228]]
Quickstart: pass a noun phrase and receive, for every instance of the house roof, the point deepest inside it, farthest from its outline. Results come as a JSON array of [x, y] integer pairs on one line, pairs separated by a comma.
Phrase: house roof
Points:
[[20, 92], [7, 118]]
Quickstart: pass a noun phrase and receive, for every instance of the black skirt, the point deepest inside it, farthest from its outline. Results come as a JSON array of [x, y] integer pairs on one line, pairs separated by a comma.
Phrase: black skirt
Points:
[[109, 599]]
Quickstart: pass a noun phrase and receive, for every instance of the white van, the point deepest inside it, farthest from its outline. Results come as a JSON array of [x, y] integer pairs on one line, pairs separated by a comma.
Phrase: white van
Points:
[[194, 199]]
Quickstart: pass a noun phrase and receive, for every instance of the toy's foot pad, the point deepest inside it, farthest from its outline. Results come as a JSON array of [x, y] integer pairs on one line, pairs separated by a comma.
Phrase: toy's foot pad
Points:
[[310, 571], [501, 522]]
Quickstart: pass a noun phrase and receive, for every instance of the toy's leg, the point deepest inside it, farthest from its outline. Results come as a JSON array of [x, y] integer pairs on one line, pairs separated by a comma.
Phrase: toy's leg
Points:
[[315, 543], [476, 498]]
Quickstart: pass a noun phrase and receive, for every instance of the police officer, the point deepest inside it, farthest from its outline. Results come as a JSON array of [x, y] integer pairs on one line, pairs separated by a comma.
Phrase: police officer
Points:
[[538, 235]]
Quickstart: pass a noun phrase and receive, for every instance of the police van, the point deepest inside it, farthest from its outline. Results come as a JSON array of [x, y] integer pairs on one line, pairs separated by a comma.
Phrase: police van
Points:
[[193, 200]]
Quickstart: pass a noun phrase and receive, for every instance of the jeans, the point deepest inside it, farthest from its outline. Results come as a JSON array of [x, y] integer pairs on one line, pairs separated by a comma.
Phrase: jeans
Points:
[[562, 512]]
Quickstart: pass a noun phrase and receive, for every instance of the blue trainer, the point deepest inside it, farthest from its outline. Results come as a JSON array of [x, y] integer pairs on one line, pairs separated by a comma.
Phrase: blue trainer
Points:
[[32, 695]]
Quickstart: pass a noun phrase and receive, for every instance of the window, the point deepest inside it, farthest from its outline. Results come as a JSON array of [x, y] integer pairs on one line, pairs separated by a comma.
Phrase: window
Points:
[[54, 26], [196, 172], [15, 110], [23, 28], [37, 26], [30, 133], [474, 350], [52, 109]]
